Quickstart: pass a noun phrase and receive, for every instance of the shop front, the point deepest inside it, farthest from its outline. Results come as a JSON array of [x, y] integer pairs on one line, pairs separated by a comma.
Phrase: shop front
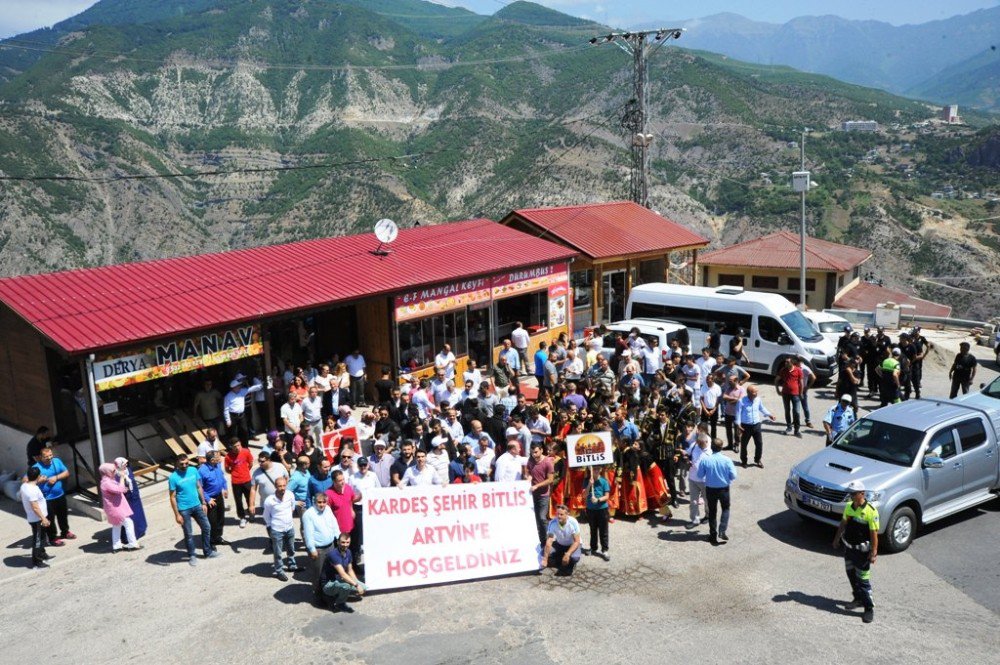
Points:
[[474, 316]]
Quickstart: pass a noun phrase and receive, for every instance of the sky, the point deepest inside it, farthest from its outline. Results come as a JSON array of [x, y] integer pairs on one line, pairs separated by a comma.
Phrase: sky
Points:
[[17, 16]]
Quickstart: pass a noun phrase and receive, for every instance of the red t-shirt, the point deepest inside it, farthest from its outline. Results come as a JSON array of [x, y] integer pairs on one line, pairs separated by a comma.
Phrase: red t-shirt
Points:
[[461, 479], [342, 506], [791, 381], [239, 466], [539, 471]]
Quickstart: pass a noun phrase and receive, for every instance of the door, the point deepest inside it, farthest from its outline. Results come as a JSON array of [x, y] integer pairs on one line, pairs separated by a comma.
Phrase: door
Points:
[[613, 292], [480, 344], [978, 456], [944, 484], [766, 346]]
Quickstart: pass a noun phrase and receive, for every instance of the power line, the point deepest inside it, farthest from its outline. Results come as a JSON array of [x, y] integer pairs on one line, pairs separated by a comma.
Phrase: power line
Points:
[[214, 172]]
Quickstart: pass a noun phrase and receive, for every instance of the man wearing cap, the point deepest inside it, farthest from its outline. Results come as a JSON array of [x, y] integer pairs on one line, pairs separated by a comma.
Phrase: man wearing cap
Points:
[[920, 348], [858, 531], [381, 464], [868, 360], [838, 418], [234, 409]]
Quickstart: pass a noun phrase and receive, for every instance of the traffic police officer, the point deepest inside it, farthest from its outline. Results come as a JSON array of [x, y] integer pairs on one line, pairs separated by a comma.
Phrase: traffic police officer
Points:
[[859, 531], [838, 418]]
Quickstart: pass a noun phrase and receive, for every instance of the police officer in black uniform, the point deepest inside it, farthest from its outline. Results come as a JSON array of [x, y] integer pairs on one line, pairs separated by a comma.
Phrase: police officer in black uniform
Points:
[[920, 347]]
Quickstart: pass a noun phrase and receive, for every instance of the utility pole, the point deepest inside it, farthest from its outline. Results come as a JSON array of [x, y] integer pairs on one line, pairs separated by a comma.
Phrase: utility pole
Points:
[[800, 183], [640, 45]]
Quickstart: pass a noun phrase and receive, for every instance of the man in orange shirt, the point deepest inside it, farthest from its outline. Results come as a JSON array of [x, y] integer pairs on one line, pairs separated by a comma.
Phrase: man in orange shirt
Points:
[[239, 461]]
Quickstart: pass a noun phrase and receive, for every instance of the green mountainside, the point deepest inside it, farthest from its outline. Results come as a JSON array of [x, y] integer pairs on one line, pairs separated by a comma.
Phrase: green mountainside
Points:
[[234, 123]]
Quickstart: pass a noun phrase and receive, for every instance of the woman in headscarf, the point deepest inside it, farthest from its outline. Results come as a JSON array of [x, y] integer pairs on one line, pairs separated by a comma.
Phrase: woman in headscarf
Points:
[[132, 496], [116, 507]]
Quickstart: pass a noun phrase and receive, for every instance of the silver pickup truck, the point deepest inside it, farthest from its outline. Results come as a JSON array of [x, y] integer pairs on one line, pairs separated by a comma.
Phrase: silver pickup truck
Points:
[[921, 460]]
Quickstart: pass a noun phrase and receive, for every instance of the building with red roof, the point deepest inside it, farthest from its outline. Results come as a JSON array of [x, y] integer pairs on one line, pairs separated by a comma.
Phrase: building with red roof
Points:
[[620, 244], [866, 297], [772, 263], [140, 339]]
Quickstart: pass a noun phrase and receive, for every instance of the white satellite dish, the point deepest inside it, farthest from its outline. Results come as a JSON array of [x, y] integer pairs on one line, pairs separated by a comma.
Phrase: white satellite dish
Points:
[[386, 231]]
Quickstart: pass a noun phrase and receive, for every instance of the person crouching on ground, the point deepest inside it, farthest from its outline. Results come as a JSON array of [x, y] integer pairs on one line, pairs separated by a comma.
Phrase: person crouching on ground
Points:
[[338, 579], [562, 546]]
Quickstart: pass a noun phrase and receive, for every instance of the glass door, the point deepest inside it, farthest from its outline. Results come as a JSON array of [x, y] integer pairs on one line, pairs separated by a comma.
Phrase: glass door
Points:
[[613, 292]]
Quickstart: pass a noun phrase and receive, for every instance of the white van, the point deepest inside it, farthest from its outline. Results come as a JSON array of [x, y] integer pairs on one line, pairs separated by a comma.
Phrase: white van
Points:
[[774, 329], [830, 326]]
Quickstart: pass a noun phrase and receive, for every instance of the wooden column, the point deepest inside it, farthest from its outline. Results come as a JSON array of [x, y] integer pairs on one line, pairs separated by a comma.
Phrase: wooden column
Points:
[[595, 300], [265, 334], [694, 267]]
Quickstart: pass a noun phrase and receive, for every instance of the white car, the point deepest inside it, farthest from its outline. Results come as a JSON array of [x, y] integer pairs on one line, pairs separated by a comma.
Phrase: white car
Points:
[[662, 331], [829, 326]]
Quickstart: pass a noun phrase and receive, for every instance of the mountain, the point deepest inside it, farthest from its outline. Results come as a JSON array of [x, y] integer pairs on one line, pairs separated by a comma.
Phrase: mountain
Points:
[[973, 82], [262, 121], [899, 59]]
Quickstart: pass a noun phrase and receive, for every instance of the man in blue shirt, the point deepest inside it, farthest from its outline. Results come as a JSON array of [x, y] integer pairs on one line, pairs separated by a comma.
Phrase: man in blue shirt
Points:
[[541, 356], [623, 429], [187, 498], [213, 485], [719, 472], [321, 481], [53, 473], [750, 413], [338, 579], [838, 419]]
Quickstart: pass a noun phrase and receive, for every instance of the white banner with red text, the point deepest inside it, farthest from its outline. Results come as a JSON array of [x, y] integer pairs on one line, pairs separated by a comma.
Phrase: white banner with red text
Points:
[[435, 534]]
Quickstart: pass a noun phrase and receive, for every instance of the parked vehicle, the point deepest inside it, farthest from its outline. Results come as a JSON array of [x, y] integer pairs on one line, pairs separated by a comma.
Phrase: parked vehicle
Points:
[[662, 331], [921, 460], [774, 329], [829, 326]]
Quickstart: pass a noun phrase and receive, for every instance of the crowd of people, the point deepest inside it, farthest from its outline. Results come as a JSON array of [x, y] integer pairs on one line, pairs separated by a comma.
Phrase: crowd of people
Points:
[[671, 415]]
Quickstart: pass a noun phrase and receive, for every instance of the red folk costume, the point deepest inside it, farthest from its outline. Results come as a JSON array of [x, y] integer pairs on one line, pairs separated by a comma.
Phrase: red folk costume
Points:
[[558, 493]]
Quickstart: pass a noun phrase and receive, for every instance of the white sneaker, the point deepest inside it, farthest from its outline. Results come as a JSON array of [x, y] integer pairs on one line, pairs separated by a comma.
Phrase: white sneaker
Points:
[[243, 523]]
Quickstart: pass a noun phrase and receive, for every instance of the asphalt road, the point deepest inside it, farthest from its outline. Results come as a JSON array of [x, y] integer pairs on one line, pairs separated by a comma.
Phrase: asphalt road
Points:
[[775, 593]]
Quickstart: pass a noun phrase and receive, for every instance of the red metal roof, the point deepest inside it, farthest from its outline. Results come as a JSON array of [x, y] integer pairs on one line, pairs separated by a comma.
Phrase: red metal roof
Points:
[[865, 297], [97, 308], [609, 230], [781, 250]]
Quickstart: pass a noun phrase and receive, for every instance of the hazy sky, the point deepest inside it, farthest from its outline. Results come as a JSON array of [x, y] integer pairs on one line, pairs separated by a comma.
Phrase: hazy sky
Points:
[[17, 16]]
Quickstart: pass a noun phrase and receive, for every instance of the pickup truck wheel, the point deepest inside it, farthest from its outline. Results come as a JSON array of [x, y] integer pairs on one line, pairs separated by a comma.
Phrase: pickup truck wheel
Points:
[[901, 529]]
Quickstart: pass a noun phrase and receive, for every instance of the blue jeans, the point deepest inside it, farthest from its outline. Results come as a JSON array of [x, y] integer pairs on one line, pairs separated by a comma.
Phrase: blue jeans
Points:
[[206, 529], [282, 540], [791, 403]]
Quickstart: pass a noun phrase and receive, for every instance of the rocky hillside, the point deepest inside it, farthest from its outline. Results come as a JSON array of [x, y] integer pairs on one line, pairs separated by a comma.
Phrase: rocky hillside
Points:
[[228, 123]]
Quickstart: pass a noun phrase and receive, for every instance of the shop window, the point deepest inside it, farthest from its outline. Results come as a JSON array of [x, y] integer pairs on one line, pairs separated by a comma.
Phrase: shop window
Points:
[[731, 280], [582, 282], [840, 280], [532, 309], [764, 282], [419, 341], [793, 283]]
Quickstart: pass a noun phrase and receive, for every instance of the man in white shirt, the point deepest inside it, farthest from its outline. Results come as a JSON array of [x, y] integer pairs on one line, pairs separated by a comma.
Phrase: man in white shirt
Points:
[[420, 399], [312, 413], [511, 355], [538, 425], [511, 466], [438, 458], [711, 397], [521, 339], [420, 473], [291, 415], [356, 370], [278, 516], [445, 360], [483, 453], [234, 409], [210, 444], [452, 425], [439, 387], [706, 363], [473, 375], [692, 377], [324, 384]]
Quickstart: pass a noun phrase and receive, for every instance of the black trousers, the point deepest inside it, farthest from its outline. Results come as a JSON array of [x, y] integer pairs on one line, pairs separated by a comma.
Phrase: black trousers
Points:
[[716, 496], [357, 391], [357, 535], [241, 496], [38, 539], [872, 377], [957, 384], [556, 559], [238, 427], [916, 376], [58, 512], [669, 469], [217, 517], [713, 422], [730, 422], [598, 521], [751, 431]]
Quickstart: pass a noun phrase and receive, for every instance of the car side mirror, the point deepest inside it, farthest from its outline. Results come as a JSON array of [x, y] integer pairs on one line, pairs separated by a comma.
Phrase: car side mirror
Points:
[[784, 340], [933, 463]]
